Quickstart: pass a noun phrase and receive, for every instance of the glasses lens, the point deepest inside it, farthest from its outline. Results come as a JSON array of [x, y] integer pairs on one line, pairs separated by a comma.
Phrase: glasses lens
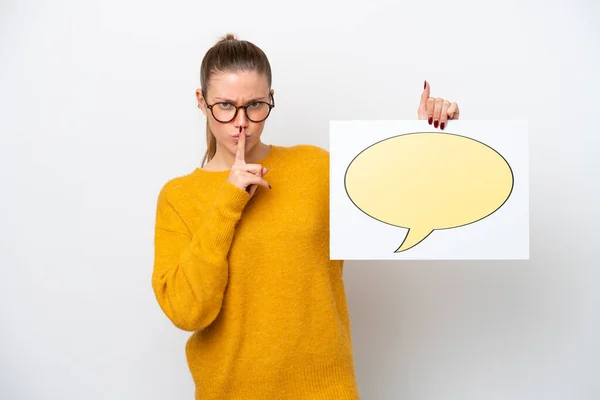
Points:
[[257, 111], [223, 112]]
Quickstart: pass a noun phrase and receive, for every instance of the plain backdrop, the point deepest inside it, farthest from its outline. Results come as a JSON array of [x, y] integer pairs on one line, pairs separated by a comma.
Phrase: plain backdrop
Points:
[[97, 112]]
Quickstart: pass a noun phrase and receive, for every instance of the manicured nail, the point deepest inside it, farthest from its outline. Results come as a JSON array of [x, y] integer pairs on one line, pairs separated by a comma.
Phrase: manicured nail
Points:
[[435, 123], [442, 124], [430, 120], [270, 186], [425, 85]]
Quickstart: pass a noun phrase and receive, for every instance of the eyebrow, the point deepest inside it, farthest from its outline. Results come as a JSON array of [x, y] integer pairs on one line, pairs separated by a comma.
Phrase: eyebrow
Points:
[[252, 100]]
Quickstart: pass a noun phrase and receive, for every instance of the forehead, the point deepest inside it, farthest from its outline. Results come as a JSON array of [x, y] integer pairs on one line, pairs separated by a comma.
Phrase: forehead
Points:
[[238, 85]]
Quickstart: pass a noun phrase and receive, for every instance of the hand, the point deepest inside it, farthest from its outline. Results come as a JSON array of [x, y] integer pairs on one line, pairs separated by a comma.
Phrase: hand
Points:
[[246, 176], [436, 110]]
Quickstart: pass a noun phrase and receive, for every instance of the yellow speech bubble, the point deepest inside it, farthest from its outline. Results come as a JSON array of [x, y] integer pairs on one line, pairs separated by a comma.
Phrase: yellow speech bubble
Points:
[[427, 181]]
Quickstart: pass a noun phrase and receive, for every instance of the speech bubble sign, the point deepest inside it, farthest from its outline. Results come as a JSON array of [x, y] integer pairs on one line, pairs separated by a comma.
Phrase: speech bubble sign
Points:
[[426, 181]]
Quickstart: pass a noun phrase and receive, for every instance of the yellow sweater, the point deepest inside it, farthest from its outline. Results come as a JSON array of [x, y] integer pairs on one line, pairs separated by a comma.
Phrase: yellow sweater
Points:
[[253, 280]]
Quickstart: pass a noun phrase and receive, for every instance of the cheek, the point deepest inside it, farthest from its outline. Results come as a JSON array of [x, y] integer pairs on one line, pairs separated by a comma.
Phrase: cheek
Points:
[[220, 131], [256, 129]]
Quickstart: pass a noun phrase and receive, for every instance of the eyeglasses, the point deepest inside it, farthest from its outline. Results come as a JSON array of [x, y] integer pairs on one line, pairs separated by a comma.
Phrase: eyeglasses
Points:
[[257, 111]]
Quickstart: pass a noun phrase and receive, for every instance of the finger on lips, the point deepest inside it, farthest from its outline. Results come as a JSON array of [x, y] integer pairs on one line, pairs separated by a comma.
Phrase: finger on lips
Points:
[[248, 176], [240, 155]]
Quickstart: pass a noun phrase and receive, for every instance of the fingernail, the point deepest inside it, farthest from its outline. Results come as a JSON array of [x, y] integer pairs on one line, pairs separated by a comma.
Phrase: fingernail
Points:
[[270, 186], [430, 120], [435, 123], [442, 124], [425, 85]]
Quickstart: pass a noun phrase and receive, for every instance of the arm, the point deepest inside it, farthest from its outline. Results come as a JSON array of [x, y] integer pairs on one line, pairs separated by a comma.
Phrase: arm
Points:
[[191, 268]]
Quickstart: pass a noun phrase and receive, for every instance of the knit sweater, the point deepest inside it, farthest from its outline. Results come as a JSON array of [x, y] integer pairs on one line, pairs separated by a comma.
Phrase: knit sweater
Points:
[[252, 279]]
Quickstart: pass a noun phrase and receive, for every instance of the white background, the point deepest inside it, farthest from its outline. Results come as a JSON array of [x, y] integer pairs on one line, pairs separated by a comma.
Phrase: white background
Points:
[[503, 234], [97, 111]]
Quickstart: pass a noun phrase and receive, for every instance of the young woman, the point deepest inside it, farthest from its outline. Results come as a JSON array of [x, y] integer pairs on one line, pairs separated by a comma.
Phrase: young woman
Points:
[[242, 248]]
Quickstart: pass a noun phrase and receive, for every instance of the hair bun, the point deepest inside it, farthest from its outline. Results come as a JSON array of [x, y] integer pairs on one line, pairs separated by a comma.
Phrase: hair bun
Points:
[[228, 36]]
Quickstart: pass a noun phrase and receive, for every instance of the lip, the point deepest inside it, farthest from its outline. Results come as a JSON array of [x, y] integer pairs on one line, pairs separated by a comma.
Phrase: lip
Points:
[[236, 137]]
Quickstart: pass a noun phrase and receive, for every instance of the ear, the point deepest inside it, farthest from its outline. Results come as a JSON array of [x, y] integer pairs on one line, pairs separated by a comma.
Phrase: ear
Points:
[[200, 99]]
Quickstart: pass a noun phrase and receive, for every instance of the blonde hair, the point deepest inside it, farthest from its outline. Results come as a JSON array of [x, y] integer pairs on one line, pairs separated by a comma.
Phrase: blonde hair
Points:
[[230, 55]]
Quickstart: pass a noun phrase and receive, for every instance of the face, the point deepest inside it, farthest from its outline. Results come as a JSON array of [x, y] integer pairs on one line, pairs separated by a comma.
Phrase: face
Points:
[[237, 89]]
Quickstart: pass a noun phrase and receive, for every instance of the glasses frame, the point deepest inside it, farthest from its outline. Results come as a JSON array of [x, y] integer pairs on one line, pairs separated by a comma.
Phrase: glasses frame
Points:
[[237, 108]]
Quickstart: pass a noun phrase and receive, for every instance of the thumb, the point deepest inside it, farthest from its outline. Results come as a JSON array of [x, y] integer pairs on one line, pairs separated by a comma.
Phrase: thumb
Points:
[[422, 111]]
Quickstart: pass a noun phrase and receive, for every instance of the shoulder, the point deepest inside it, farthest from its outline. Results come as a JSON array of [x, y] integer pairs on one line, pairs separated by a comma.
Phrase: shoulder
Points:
[[305, 153], [310, 149], [309, 162], [175, 187]]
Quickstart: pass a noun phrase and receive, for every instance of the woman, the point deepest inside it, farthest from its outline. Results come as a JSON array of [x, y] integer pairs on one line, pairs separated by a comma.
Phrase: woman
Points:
[[242, 248]]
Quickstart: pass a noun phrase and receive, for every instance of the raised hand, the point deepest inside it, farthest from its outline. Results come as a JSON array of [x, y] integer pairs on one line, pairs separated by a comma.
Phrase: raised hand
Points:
[[246, 176], [435, 110]]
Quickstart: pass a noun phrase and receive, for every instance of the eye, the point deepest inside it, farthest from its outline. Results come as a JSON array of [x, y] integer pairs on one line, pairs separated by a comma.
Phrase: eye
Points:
[[255, 105], [224, 106]]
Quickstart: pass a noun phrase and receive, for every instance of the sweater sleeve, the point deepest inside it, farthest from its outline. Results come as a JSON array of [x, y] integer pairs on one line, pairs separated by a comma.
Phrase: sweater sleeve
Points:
[[191, 268]]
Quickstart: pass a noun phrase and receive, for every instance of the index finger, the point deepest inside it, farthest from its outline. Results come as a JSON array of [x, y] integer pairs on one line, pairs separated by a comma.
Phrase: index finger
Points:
[[241, 148]]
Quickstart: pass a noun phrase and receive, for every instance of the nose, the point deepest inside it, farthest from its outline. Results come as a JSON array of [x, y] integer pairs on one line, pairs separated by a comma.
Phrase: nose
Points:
[[241, 120]]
